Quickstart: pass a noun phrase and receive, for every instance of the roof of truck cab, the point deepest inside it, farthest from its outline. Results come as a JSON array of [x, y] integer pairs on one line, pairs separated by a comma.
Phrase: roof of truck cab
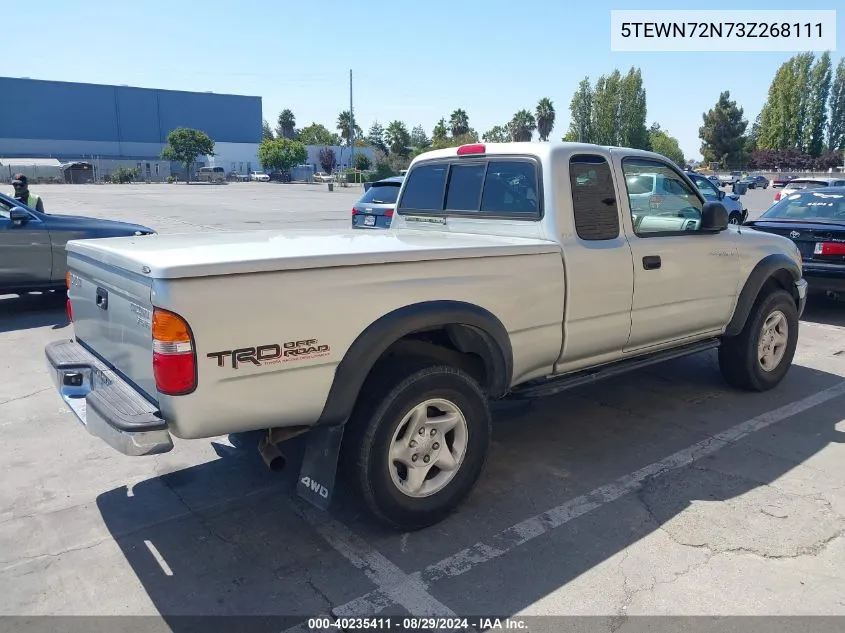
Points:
[[541, 150]]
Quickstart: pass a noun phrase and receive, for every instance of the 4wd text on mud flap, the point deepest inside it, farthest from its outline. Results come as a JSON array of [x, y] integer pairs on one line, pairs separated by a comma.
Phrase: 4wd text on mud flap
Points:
[[272, 353], [315, 486]]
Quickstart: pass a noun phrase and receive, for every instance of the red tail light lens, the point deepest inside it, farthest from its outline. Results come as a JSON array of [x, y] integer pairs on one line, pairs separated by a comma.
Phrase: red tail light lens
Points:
[[388, 213], [355, 211], [829, 248], [778, 195], [174, 358], [69, 311]]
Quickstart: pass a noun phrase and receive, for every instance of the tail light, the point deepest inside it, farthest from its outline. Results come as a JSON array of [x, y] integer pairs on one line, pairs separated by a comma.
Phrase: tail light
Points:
[[388, 213], [473, 148], [174, 358], [778, 195], [355, 211], [68, 307], [829, 248]]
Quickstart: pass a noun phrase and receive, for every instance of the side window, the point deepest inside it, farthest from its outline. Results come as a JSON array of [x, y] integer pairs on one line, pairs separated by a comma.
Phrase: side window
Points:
[[511, 188], [424, 188], [464, 189], [671, 205], [593, 198]]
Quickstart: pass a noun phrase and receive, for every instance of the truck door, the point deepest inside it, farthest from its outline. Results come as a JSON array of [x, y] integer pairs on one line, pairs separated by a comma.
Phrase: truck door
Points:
[[599, 266], [685, 281]]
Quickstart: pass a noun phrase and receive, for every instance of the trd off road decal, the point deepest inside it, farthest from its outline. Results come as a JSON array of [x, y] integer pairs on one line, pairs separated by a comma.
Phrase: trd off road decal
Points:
[[271, 354]]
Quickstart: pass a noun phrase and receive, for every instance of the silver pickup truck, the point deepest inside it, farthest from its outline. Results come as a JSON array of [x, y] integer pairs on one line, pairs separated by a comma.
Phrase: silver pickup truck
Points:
[[510, 270]]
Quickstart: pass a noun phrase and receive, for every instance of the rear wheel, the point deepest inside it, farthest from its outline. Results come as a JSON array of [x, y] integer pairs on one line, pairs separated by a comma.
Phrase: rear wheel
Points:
[[417, 446], [759, 357], [735, 218]]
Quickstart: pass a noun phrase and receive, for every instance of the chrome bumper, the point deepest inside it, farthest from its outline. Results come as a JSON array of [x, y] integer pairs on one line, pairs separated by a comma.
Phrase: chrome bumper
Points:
[[801, 290], [108, 406]]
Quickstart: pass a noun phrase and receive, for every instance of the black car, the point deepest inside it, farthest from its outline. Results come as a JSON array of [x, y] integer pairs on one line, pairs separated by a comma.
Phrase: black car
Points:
[[32, 244], [815, 220]]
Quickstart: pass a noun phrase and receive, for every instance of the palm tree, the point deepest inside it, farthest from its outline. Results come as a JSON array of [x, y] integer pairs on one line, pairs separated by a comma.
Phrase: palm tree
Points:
[[397, 138], [287, 124], [545, 118], [343, 120], [459, 122], [522, 126]]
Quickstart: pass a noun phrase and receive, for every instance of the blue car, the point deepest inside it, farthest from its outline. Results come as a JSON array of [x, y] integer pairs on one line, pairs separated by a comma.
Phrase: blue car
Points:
[[375, 208]]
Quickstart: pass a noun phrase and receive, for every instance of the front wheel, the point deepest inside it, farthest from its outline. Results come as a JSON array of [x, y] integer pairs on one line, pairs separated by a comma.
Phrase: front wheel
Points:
[[735, 219], [759, 357], [419, 451]]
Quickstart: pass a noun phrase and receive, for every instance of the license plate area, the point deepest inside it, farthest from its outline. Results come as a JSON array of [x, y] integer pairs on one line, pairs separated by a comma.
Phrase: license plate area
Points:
[[369, 220]]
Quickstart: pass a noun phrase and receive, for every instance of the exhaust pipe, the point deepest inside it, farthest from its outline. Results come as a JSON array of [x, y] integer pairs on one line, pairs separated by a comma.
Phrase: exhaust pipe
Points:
[[271, 455]]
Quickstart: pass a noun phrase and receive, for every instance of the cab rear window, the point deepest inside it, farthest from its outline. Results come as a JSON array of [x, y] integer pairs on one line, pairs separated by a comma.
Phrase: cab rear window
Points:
[[506, 187]]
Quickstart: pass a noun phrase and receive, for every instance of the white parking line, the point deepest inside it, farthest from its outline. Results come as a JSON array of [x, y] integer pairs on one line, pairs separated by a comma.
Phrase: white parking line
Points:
[[529, 529], [159, 558], [396, 585]]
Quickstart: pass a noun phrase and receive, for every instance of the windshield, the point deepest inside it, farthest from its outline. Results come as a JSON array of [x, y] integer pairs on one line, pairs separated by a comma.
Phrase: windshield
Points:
[[809, 207], [383, 193]]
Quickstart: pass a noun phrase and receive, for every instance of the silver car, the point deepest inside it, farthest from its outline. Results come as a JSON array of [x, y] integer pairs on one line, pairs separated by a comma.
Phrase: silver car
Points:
[[732, 202], [375, 208]]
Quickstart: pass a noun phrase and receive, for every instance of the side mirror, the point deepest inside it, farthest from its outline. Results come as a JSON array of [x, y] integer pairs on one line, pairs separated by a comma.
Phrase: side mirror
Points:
[[18, 216], [722, 194], [714, 217]]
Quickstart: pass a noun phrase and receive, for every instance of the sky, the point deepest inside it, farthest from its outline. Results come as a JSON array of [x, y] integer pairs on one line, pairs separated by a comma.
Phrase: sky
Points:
[[412, 61]]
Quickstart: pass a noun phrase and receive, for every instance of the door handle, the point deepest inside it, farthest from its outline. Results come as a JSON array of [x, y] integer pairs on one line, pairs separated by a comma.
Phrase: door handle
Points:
[[651, 262], [102, 299]]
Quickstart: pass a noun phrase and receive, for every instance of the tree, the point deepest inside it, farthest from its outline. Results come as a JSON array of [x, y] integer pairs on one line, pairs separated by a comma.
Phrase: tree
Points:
[[397, 138], [317, 134], [459, 122], [282, 154], [419, 139], [783, 116], [362, 162], [497, 134], [185, 145], [376, 137], [836, 127], [631, 126], [545, 118], [722, 132], [605, 113], [581, 109], [343, 126], [327, 159], [266, 131], [662, 143], [286, 124], [440, 131], [816, 120], [522, 126]]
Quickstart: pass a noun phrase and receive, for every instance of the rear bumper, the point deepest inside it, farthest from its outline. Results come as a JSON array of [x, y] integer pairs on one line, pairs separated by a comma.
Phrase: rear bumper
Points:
[[825, 278], [108, 406]]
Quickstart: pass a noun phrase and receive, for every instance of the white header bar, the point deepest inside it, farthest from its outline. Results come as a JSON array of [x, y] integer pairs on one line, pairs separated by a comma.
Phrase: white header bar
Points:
[[723, 30]]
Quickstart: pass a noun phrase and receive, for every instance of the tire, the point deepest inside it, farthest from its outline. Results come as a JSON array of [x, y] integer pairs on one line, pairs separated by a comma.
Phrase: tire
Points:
[[739, 358], [735, 218], [380, 421]]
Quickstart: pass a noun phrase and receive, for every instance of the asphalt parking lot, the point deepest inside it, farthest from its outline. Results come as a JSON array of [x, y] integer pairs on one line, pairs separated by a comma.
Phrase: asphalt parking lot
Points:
[[663, 492]]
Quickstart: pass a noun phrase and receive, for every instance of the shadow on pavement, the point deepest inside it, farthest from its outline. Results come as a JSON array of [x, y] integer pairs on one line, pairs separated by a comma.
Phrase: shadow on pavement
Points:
[[236, 543], [33, 310], [821, 309]]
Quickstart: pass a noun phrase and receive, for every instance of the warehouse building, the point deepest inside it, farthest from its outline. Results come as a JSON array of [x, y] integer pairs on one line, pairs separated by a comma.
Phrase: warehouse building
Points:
[[121, 126]]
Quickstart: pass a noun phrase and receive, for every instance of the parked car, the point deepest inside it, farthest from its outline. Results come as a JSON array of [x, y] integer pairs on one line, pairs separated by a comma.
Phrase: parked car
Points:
[[755, 182], [714, 179], [727, 180], [32, 244], [781, 179], [375, 208], [814, 219], [510, 270], [279, 176], [259, 176], [211, 174], [731, 201], [323, 177], [799, 184]]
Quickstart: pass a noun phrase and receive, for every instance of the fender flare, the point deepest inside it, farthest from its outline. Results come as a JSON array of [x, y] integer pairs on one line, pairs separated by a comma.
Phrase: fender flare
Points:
[[371, 344], [776, 266]]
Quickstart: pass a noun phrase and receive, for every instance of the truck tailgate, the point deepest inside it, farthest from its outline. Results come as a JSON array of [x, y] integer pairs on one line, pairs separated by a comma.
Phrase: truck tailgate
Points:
[[112, 317]]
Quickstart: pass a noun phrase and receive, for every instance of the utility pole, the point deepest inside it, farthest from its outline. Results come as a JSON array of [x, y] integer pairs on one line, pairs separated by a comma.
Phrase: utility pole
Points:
[[351, 125]]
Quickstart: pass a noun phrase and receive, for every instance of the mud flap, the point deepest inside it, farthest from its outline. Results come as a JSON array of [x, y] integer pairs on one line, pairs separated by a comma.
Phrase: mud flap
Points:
[[319, 465]]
